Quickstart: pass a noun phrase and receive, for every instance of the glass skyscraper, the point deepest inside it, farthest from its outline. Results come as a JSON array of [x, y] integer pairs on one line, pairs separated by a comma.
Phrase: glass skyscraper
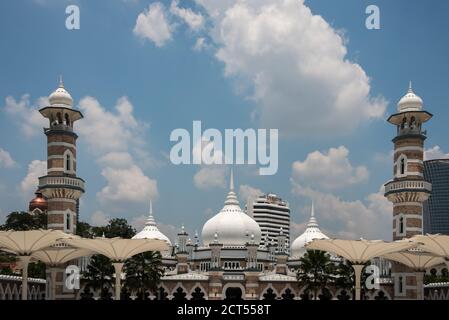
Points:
[[436, 208]]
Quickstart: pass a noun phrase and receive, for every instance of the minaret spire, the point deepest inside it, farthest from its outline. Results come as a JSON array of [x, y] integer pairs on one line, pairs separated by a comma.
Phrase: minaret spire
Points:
[[231, 199]]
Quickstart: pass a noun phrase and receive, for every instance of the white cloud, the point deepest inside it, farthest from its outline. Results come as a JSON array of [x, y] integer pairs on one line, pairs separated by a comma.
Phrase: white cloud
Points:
[[370, 219], [435, 153], [331, 170], [212, 176], [106, 131], [200, 44], [116, 139], [294, 64], [28, 186], [26, 114], [99, 218], [6, 161], [194, 20], [129, 184], [152, 24], [248, 193]]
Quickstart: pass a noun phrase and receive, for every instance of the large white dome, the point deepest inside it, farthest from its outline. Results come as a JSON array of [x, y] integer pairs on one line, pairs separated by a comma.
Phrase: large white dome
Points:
[[312, 232], [232, 226], [151, 231]]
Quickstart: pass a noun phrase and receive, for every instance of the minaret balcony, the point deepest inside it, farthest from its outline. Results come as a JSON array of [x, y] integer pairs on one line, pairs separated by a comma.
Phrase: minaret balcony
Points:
[[408, 185], [61, 182]]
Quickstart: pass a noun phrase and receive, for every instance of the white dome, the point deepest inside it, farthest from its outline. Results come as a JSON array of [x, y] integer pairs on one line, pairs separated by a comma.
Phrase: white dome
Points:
[[410, 102], [232, 226], [312, 232], [60, 97], [150, 231]]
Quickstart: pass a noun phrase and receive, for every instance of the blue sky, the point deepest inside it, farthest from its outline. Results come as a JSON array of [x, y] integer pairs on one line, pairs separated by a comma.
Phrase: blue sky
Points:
[[261, 64]]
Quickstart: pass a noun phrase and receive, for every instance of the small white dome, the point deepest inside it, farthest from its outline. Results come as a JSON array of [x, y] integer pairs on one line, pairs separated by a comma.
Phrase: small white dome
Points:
[[410, 102], [231, 226], [312, 232], [60, 97], [151, 231]]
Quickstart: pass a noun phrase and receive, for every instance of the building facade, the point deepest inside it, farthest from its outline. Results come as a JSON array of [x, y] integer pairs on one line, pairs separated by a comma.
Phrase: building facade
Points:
[[436, 208], [273, 215]]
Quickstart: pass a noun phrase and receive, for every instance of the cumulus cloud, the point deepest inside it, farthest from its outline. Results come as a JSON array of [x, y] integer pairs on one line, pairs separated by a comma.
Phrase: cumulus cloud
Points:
[[153, 24], [6, 161], [294, 65], [99, 218], [370, 219], [194, 20], [116, 138], [28, 185], [129, 184], [331, 170], [212, 176], [26, 114], [200, 44], [248, 193], [435, 153]]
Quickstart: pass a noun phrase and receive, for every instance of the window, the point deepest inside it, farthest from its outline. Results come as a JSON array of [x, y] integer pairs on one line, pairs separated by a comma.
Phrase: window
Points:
[[68, 222], [401, 225], [402, 166], [67, 163], [400, 284]]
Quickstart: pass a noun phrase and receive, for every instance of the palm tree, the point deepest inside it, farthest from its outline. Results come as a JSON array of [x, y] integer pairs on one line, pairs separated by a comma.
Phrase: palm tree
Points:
[[315, 271], [143, 272], [99, 274]]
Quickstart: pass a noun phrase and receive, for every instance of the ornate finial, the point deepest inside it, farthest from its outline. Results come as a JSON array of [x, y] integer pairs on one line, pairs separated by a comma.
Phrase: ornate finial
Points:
[[312, 213], [231, 180], [215, 237], [103, 236], [61, 83], [281, 233], [410, 86], [151, 207]]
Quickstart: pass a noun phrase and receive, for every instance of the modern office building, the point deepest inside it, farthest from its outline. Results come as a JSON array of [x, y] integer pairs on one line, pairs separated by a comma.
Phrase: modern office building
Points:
[[436, 208], [272, 214]]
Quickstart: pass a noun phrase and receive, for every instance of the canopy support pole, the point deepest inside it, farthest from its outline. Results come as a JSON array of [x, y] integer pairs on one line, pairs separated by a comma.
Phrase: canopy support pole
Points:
[[358, 274], [25, 260], [118, 266], [419, 284]]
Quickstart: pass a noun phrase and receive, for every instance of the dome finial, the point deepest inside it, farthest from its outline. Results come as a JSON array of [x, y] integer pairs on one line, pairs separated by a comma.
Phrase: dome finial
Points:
[[312, 211], [61, 83], [151, 208], [231, 180], [410, 89]]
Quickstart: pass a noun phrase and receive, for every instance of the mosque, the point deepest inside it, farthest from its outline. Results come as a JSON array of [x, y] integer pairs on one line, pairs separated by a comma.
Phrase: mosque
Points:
[[235, 260]]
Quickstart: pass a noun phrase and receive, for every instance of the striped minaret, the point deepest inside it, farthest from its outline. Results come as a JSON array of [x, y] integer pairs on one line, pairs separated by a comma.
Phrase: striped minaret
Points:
[[408, 189], [61, 186]]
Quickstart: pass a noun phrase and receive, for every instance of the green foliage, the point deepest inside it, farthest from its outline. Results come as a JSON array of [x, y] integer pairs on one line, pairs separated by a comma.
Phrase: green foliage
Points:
[[433, 277], [143, 272], [37, 270], [83, 229], [316, 271], [117, 227], [23, 221], [99, 273]]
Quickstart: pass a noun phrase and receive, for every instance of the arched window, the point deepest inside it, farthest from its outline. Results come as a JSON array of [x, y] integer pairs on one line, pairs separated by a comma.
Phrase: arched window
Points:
[[68, 224], [402, 166], [68, 162], [58, 115], [67, 120], [401, 225]]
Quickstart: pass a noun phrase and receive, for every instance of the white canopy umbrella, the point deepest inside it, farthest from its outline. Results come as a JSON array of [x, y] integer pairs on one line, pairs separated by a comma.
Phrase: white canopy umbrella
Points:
[[358, 252], [25, 243], [57, 255], [419, 261], [436, 244], [118, 250]]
